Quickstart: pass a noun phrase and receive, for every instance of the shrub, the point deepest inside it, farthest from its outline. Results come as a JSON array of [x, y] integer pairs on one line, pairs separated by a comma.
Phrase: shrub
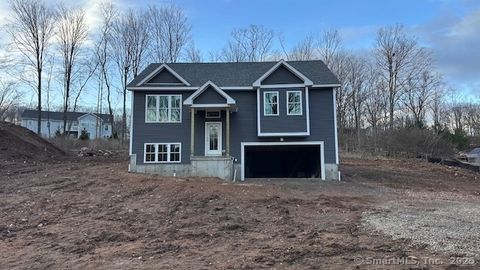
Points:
[[84, 135], [414, 141]]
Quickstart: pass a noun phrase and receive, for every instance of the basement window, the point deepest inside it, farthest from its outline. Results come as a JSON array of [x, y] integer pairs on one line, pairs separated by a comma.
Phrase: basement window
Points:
[[163, 152]]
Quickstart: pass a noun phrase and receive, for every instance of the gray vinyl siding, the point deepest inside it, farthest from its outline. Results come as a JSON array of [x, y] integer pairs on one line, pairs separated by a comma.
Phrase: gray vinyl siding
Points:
[[159, 132], [243, 124], [322, 125], [282, 76], [209, 96], [200, 121], [282, 122], [164, 77]]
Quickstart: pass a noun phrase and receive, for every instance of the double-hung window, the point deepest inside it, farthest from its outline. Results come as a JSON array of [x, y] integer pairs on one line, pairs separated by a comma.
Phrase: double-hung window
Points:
[[270, 103], [162, 152], [164, 109], [294, 103]]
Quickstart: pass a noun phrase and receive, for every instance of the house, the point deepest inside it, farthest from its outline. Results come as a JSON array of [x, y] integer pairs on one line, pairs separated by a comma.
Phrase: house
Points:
[[95, 124], [235, 120], [474, 156]]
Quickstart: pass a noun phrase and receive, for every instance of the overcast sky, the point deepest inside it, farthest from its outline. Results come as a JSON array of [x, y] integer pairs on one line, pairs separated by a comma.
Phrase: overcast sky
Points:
[[450, 28]]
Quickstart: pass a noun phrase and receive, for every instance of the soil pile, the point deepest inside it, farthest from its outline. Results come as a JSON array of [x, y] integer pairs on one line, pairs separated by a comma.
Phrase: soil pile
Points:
[[19, 143]]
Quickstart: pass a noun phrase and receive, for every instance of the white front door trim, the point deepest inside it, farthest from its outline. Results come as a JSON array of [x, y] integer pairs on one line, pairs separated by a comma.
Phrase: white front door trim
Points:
[[319, 143], [209, 152]]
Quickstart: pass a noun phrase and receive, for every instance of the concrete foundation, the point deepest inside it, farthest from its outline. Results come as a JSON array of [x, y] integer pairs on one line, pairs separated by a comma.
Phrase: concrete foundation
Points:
[[221, 167], [331, 172]]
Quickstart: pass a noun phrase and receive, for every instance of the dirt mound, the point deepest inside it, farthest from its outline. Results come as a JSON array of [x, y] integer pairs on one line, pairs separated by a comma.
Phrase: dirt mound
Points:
[[17, 143]]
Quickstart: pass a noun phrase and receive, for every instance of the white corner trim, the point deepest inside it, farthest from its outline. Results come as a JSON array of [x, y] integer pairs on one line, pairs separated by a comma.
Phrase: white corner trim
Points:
[[258, 112], [166, 88], [334, 94], [210, 106], [189, 100], [306, 80], [130, 152], [158, 70], [327, 85], [301, 102], [287, 134], [307, 109], [319, 143], [288, 85]]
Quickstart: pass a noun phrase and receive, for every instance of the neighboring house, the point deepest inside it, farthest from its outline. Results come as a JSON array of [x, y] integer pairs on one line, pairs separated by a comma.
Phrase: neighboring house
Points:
[[235, 120], [96, 125], [474, 156]]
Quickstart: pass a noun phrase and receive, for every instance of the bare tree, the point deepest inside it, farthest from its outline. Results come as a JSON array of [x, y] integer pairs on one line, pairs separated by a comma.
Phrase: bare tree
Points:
[[31, 29], [103, 58], [355, 81], [193, 54], [331, 45], [419, 93], [139, 38], [398, 56], [304, 50], [122, 55], [72, 33], [170, 31], [253, 43], [8, 96], [375, 101]]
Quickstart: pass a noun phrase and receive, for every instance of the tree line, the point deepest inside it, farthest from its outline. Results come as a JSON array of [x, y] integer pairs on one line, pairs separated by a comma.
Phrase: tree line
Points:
[[393, 84]]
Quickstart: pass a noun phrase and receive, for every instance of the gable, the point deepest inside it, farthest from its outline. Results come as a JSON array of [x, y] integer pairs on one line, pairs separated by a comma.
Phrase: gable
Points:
[[282, 76], [210, 96], [164, 77]]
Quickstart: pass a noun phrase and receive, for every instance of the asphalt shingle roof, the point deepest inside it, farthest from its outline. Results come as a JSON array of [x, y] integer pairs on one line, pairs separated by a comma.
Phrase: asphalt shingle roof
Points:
[[238, 74], [71, 116]]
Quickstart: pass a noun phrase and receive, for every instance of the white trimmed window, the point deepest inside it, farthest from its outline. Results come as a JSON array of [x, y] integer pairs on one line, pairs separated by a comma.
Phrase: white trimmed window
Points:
[[163, 152], [270, 103], [163, 109], [294, 103]]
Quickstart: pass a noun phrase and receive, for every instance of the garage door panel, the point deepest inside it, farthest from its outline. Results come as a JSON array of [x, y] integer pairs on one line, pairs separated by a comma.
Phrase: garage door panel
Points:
[[282, 161]]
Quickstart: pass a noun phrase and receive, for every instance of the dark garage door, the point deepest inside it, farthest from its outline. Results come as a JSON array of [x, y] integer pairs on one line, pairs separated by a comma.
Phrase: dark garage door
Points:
[[282, 161]]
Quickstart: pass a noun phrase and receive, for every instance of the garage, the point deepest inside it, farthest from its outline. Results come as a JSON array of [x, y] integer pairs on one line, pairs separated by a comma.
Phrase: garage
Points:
[[282, 160]]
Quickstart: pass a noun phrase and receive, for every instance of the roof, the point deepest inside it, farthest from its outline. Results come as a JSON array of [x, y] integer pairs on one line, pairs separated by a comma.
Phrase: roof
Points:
[[239, 73], [71, 116]]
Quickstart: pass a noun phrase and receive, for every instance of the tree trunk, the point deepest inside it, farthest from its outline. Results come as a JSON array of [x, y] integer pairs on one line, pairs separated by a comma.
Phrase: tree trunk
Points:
[[39, 89]]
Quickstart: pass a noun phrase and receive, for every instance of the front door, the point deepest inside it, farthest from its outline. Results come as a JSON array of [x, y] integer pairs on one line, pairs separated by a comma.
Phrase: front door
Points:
[[213, 138]]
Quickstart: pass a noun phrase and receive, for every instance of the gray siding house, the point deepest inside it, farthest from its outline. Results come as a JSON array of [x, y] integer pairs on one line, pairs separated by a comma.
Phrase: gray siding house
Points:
[[235, 120]]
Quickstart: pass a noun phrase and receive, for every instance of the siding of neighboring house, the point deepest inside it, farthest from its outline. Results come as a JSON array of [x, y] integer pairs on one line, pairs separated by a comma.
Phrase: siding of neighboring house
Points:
[[243, 124]]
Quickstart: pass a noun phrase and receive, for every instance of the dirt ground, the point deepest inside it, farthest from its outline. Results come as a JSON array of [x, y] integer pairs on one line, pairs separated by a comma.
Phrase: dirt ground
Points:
[[89, 213]]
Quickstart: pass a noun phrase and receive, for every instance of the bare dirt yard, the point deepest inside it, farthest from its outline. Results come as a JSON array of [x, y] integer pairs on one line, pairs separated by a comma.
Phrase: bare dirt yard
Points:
[[89, 213]]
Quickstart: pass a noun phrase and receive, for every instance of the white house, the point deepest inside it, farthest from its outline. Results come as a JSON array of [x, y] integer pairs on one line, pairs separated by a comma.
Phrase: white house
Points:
[[95, 124]]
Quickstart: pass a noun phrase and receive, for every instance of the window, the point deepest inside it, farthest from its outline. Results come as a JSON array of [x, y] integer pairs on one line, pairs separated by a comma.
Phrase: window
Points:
[[294, 103], [270, 103], [212, 114], [163, 109], [162, 152]]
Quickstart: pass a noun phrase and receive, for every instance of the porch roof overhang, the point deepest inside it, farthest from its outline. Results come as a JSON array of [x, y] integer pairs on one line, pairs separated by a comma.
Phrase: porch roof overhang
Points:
[[230, 103]]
